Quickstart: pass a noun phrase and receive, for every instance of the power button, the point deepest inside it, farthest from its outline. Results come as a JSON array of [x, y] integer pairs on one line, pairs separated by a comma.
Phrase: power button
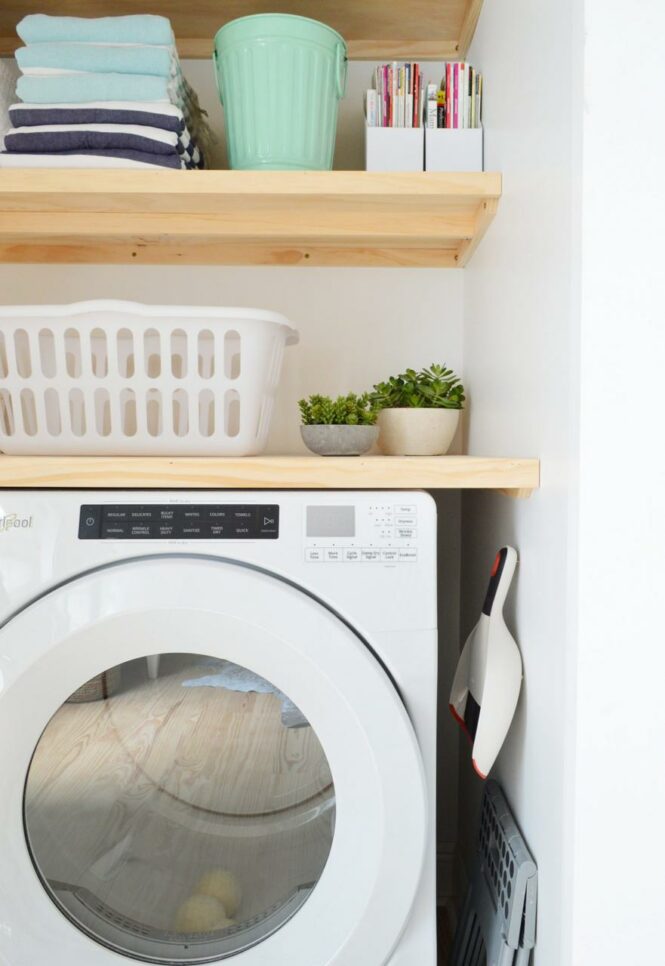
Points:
[[90, 523]]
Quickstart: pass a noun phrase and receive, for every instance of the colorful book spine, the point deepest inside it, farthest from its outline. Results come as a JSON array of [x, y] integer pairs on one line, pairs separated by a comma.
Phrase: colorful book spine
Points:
[[408, 102], [441, 108], [370, 108], [449, 92], [386, 89], [399, 97], [416, 116], [392, 88], [431, 106]]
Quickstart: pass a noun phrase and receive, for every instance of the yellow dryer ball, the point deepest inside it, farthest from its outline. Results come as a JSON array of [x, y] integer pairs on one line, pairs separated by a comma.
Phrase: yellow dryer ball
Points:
[[225, 923], [224, 886], [200, 914]]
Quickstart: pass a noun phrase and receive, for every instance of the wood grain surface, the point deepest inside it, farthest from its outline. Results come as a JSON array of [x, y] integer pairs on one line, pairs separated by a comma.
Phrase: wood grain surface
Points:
[[310, 218], [373, 29], [510, 475]]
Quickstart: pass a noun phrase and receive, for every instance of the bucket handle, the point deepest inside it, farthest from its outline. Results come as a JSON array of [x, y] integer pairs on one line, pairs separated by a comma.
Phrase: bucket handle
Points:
[[217, 78], [341, 72]]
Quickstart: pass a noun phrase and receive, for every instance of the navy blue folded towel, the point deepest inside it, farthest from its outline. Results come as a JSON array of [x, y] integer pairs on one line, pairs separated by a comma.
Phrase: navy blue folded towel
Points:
[[23, 115]]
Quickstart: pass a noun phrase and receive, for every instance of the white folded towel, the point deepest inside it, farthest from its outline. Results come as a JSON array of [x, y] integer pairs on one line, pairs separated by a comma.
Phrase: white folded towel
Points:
[[71, 161]]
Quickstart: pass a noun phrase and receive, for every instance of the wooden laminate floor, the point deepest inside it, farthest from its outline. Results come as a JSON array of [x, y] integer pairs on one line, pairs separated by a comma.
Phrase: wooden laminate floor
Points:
[[137, 796]]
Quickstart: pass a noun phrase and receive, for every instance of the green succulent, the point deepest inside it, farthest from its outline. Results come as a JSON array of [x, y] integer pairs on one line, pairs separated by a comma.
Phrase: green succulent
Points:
[[433, 388], [349, 410]]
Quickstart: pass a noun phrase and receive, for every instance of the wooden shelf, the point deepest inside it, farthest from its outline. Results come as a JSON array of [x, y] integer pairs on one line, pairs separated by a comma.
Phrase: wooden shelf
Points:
[[518, 477], [355, 218], [373, 29]]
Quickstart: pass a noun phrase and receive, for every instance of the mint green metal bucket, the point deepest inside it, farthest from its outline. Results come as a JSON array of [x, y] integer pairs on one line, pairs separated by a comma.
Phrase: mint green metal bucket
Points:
[[280, 79]]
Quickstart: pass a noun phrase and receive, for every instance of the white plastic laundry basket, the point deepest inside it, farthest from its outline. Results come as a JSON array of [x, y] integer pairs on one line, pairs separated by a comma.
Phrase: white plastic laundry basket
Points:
[[118, 378]]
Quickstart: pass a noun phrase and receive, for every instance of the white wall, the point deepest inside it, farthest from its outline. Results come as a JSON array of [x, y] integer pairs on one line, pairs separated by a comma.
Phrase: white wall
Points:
[[620, 777], [520, 366], [356, 325]]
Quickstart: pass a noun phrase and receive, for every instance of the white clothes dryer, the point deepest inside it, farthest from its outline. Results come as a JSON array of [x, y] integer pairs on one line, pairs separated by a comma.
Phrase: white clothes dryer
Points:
[[218, 716]]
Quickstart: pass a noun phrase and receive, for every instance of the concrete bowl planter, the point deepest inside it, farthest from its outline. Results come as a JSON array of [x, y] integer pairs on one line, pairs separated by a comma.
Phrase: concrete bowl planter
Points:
[[417, 432], [339, 440]]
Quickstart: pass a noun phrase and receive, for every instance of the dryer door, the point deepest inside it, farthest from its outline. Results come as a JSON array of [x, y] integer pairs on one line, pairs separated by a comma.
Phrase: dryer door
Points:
[[251, 791]]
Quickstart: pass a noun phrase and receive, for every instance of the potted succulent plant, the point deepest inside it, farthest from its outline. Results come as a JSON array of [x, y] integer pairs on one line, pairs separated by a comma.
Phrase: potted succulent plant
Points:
[[338, 427], [418, 411]]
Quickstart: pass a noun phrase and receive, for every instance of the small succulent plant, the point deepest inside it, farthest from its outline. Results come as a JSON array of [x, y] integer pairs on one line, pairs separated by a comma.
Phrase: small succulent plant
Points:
[[349, 410], [435, 388]]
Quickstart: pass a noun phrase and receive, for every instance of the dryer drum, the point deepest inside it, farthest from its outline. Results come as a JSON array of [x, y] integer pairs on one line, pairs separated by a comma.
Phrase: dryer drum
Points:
[[148, 798], [88, 910]]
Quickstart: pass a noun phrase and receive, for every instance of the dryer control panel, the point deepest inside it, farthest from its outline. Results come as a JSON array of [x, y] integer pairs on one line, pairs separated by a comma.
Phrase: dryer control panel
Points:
[[378, 533], [171, 521]]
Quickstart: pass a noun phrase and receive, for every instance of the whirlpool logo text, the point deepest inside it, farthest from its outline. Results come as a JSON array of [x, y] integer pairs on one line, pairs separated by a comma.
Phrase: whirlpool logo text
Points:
[[14, 522]]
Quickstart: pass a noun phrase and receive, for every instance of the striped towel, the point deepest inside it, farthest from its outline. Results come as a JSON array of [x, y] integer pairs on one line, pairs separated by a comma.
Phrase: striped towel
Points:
[[49, 138], [105, 85], [52, 138], [90, 159], [168, 117]]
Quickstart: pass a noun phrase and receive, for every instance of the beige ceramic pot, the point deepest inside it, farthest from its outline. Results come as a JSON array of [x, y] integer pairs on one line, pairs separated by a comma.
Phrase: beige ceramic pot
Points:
[[417, 432]]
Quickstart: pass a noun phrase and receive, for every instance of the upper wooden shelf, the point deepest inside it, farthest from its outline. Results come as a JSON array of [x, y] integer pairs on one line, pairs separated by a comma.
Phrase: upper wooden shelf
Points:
[[373, 29], [244, 217], [517, 477]]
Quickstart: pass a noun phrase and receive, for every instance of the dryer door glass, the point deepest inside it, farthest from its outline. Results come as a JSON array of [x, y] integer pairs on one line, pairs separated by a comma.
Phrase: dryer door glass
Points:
[[179, 808]]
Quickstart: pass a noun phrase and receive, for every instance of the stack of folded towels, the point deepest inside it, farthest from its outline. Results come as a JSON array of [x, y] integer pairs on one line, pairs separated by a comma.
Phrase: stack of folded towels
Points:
[[104, 92]]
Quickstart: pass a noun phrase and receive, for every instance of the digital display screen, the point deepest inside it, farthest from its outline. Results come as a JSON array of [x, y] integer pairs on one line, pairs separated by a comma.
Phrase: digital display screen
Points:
[[331, 521]]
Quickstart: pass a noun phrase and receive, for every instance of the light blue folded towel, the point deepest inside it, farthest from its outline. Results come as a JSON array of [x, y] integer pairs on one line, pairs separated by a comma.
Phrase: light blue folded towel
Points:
[[39, 28], [82, 88], [99, 58]]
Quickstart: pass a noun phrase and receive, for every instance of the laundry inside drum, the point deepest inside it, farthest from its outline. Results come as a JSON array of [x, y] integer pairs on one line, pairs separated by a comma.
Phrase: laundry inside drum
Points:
[[182, 815]]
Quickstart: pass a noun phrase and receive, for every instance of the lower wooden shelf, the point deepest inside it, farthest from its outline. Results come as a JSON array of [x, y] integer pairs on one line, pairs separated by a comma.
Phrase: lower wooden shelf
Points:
[[517, 477]]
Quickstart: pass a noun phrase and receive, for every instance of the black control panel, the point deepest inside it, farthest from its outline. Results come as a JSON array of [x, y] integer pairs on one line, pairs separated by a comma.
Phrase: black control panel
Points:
[[215, 521]]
